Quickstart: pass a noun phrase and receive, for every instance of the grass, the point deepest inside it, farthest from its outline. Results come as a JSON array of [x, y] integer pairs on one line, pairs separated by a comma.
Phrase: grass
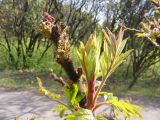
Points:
[[34, 63], [16, 80], [148, 83], [26, 80], [137, 90]]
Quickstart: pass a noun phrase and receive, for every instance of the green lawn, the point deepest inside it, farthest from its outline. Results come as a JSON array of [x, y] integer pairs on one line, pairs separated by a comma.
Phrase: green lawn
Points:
[[148, 84], [26, 80]]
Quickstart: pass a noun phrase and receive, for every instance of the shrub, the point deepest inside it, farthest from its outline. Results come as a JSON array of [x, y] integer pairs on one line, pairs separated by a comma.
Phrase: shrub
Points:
[[99, 59]]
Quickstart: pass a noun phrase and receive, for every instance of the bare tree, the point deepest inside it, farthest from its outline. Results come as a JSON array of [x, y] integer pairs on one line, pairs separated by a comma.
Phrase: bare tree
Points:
[[130, 14], [79, 15], [19, 19]]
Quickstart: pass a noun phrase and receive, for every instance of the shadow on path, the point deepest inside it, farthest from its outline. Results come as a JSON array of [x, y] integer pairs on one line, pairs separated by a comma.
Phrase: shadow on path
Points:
[[25, 104]]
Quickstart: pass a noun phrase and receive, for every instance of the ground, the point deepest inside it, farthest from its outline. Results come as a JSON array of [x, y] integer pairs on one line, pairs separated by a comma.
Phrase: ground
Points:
[[25, 104], [28, 103]]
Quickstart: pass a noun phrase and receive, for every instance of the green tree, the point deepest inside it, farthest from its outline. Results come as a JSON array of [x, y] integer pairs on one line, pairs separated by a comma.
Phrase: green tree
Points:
[[80, 16], [130, 14], [18, 19], [95, 63]]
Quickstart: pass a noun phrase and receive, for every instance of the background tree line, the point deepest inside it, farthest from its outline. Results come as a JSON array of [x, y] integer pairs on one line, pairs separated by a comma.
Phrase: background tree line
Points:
[[20, 17], [20, 40]]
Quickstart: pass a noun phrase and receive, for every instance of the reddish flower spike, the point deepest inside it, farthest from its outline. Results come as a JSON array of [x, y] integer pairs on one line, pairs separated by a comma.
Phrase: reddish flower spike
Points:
[[47, 17]]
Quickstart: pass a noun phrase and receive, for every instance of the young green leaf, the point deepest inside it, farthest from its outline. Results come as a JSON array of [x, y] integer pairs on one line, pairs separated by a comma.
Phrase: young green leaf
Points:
[[59, 108], [129, 110], [81, 114], [89, 57], [140, 35], [71, 93], [51, 95]]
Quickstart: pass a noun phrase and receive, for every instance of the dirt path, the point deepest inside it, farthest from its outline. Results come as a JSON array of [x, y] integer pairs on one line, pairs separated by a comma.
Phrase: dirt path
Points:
[[25, 104], [28, 103]]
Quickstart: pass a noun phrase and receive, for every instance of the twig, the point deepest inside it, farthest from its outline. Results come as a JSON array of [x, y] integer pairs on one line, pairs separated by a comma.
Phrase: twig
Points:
[[130, 29], [59, 79], [61, 102]]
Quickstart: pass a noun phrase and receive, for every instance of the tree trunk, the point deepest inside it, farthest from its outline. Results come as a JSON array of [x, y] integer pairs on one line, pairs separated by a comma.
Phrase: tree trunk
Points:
[[134, 81]]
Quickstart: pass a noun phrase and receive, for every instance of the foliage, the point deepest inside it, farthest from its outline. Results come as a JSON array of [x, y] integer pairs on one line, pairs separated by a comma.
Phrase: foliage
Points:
[[146, 54], [35, 63], [52, 96], [95, 64], [89, 57], [62, 109], [18, 21], [113, 56], [129, 110], [81, 16], [132, 15], [98, 58], [151, 28], [72, 95], [84, 114], [151, 31]]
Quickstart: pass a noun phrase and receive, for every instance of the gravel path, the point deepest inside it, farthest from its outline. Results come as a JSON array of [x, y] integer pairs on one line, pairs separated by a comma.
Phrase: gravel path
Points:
[[27, 103]]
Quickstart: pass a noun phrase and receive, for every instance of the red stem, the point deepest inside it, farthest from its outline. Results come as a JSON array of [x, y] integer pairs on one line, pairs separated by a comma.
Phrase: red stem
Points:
[[90, 95]]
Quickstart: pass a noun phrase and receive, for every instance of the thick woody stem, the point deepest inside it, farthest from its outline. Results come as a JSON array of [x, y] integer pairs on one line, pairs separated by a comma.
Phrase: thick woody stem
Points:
[[59, 37], [69, 69], [58, 34]]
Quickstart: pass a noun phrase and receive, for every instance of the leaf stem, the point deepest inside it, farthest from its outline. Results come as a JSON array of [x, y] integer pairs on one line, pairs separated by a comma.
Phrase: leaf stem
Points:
[[60, 102], [100, 88], [103, 81], [98, 105], [91, 93]]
